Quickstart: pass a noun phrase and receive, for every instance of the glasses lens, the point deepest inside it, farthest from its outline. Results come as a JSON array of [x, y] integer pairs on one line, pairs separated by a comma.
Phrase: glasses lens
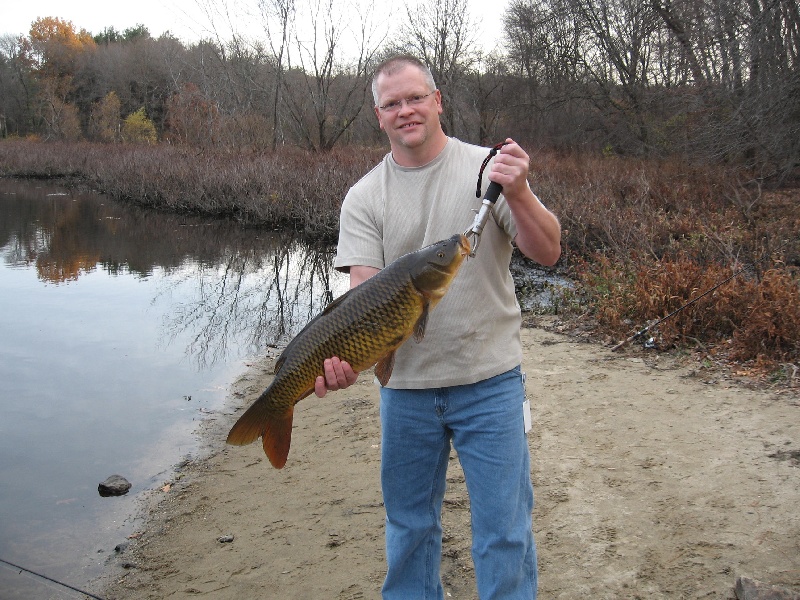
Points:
[[412, 101]]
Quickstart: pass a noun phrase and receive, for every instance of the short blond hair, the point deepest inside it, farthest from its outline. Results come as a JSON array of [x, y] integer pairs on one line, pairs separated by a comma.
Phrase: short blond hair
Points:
[[392, 65]]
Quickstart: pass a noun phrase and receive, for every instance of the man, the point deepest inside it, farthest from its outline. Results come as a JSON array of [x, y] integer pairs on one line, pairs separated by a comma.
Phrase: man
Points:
[[462, 383]]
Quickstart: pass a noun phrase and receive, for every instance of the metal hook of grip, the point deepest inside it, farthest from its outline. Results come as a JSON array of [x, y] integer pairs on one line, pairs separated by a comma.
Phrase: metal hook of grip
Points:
[[473, 234]]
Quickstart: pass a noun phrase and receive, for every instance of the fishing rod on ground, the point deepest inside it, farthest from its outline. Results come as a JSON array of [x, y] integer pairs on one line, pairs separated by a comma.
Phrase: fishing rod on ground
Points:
[[50, 579], [641, 332]]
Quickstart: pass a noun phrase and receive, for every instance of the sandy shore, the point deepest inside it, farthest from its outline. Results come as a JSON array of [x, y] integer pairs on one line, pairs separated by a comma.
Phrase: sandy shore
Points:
[[653, 479]]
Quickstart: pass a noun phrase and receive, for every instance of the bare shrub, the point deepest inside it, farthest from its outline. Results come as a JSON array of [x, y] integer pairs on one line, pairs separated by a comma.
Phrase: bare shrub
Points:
[[628, 205], [747, 318], [770, 324]]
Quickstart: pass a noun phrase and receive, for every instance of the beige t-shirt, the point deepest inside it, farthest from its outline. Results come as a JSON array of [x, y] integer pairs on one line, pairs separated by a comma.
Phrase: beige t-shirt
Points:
[[473, 333]]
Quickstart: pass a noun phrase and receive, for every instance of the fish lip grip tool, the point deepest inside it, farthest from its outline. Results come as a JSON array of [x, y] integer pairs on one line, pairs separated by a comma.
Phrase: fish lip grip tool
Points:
[[473, 234]]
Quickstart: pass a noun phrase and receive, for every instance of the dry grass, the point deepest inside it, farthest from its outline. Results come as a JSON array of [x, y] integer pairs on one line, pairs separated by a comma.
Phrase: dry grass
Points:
[[290, 189]]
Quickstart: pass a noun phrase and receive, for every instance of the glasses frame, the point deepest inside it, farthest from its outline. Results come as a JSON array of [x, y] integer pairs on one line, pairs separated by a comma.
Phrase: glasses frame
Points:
[[396, 105]]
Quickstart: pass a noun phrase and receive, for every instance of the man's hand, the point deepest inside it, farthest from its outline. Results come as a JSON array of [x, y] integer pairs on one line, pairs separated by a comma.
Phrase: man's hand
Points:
[[510, 169], [338, 376], [538, 231]]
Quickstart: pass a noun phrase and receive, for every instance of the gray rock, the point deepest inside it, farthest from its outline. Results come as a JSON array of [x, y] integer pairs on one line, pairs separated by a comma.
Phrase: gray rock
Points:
[[750, 589], [116, 485]]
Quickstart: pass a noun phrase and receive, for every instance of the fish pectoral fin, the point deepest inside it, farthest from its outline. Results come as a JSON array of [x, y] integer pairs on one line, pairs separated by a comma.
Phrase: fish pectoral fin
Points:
[[422, 322], [384, 367], [277, 437]]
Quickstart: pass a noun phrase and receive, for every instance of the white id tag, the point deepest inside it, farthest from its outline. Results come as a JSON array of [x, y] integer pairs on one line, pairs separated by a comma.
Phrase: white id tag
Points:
[[526, 415], [526, 408]]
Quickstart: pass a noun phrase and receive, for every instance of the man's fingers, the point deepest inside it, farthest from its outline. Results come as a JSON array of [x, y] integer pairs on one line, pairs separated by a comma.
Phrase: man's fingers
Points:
[[349, 374], [338, 372], [332, 378], [320, 389], [338, 375]]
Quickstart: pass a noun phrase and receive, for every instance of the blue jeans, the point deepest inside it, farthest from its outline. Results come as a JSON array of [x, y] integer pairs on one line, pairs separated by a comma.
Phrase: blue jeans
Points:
[[485, 423]]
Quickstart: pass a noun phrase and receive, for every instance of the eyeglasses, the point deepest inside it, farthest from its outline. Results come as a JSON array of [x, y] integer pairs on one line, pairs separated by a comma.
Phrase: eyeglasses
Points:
[[394, 106]]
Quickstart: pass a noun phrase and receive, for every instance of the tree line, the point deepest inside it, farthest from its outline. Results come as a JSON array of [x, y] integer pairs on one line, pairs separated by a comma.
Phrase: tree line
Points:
[[711, 80]]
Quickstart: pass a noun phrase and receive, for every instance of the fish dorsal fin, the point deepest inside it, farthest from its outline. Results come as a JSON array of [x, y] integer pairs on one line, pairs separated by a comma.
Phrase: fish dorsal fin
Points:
[[279, 363], [334, 303], [422, 322], [277, 437], [383, 370]]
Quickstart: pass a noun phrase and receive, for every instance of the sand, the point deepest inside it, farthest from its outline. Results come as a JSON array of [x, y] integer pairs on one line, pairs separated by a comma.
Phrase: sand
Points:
[[655, 477]]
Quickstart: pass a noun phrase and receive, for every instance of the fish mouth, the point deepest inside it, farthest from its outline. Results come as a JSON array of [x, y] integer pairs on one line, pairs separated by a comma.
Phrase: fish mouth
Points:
[[439, 268], [464, 246]]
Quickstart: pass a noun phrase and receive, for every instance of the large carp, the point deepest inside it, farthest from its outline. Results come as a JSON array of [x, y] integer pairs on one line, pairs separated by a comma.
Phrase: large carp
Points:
[[363, 327]]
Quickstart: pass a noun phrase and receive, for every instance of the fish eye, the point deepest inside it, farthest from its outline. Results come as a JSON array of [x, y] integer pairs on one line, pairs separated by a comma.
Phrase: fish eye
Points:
[[440, 254]]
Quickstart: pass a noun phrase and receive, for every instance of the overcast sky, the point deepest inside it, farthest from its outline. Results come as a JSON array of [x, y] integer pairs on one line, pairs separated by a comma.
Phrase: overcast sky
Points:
[[184, 18]]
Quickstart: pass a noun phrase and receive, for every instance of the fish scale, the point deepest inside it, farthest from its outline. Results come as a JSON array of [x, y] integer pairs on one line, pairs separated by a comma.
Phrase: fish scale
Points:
[[363, 327], [359, 334]]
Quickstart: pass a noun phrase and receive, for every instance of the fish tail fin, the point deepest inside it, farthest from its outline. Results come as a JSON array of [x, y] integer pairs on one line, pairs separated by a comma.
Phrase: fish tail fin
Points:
[[275, 432], [277, 437]]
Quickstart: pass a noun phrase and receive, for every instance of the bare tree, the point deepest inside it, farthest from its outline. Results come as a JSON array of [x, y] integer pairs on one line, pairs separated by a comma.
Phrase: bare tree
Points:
[[543, 41], [667, 11], [17, 87], [327, 90], [545, 49], [441, 34], [743, 55], [278, 22], [617, 57]]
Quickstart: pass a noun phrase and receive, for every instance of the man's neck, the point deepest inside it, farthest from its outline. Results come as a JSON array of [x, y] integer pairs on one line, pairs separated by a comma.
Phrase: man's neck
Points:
[[421, 156]]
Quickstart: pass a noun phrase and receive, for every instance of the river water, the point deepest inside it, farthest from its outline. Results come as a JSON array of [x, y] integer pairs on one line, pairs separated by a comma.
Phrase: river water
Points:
[[120, 330]]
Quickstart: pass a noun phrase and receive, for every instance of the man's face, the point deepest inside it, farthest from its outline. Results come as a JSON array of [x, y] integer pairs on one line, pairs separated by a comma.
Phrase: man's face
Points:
[[408, 126]]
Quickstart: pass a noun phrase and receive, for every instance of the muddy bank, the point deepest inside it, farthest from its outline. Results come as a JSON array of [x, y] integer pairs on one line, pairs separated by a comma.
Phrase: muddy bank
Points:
[[654, 478]]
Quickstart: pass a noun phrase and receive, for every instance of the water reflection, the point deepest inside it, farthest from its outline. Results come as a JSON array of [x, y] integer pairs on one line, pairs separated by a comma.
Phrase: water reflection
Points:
[[256, 287], [121, 328], [259, 299]]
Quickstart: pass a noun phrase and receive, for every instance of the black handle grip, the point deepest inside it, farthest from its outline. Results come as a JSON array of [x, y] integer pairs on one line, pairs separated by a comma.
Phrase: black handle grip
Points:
[[493, 192]]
